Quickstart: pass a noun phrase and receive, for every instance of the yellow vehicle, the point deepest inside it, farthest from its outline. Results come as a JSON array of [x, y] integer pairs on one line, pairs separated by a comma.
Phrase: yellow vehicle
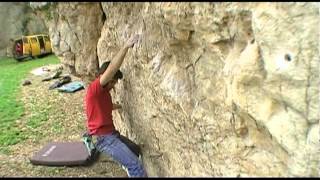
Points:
[[31, 46]]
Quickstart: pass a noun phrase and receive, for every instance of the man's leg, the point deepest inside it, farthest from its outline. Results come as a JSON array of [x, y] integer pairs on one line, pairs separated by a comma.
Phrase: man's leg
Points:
[[131, 145], [113, 146]]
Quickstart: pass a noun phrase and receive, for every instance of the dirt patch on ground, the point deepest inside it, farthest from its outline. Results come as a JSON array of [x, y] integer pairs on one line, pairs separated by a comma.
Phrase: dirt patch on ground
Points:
[[64, 121]]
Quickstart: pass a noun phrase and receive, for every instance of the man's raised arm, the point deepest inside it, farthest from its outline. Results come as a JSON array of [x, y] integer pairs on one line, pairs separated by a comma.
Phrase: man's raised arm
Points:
[[117, 61]]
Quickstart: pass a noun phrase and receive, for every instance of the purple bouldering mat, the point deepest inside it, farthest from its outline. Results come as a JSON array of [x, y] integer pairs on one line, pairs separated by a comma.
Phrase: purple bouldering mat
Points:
[[62, 154]]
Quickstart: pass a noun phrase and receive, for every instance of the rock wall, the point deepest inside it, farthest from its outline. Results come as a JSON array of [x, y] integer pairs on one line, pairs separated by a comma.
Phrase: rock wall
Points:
[[74, 30], [210, 89], [17, 19]]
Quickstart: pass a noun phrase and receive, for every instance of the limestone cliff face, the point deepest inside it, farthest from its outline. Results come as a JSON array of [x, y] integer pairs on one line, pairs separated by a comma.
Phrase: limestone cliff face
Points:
[[17, 19], [74, 31], [210, 89]]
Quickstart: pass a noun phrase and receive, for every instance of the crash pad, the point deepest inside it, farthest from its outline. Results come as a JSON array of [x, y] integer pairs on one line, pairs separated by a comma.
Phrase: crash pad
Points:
[[63, 154], [71, 87]]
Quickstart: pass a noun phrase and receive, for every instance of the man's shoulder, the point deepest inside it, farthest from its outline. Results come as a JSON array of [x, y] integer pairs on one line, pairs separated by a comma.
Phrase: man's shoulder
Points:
[[94, 87], [95, 82]]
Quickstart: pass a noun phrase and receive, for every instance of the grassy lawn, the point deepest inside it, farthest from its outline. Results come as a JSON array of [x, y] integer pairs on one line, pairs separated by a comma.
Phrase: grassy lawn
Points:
[[12, 73]]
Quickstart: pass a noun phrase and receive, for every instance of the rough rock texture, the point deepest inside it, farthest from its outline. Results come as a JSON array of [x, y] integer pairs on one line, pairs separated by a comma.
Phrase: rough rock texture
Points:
[[211, 89], [74, 30], [17, 19]]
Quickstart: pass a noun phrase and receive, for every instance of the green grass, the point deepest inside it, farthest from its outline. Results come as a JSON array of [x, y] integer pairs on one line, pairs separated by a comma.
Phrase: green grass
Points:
[[12, 74]]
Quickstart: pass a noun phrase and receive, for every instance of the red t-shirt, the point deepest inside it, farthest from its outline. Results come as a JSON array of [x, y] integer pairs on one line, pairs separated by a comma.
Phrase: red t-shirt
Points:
[[98, 106]]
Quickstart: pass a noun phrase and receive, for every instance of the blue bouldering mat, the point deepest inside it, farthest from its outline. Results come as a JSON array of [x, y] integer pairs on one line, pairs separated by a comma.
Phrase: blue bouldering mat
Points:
[[71, 87]]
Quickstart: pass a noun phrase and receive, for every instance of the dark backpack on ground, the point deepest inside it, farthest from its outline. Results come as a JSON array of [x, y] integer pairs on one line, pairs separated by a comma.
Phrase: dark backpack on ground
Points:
[[60, 82]]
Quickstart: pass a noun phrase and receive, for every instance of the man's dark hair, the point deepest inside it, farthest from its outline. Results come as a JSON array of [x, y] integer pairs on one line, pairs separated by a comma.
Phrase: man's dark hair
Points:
[[103, 68]]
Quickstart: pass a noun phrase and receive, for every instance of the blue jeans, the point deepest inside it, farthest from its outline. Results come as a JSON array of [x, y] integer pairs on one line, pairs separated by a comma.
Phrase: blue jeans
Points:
[[112, 145]]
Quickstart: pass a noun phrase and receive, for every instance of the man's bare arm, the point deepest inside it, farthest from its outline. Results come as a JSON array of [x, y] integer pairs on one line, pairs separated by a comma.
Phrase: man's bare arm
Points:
[[117, 61]]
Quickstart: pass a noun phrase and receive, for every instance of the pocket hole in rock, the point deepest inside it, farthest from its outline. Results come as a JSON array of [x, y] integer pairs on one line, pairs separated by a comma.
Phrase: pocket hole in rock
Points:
[[287, 57]]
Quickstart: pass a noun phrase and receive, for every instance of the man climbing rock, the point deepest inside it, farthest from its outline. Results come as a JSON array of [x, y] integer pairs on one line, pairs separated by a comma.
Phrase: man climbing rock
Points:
[[99, 106]]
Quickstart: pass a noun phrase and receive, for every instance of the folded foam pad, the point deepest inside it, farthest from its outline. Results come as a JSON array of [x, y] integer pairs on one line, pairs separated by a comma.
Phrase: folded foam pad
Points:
[[71, 87], [62, 154]]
